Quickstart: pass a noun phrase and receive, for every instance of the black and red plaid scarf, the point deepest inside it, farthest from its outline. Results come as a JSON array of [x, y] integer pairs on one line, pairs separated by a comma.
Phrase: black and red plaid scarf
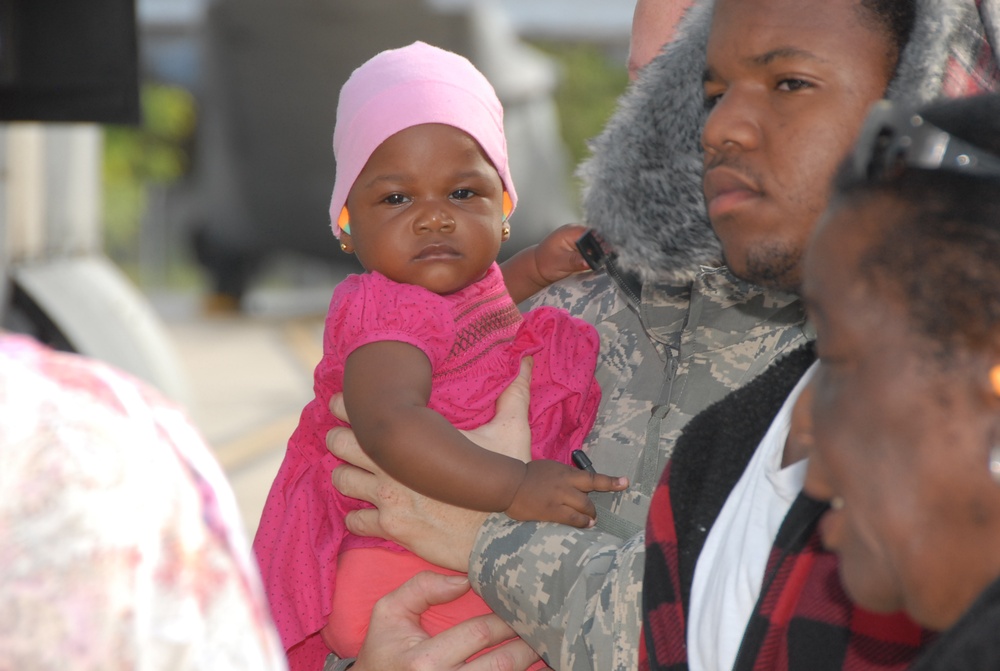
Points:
[[803, 620], [972, 67]]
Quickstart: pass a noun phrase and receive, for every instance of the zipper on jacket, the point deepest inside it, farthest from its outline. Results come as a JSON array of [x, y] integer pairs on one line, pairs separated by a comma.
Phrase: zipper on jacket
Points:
[[600, 257]]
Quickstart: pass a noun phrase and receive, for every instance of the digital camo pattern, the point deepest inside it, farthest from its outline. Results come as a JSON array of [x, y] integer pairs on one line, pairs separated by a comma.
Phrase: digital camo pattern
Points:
[[575, 595]]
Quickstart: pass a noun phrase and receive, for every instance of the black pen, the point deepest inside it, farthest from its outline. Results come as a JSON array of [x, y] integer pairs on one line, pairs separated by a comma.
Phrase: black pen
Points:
[[582, 461]]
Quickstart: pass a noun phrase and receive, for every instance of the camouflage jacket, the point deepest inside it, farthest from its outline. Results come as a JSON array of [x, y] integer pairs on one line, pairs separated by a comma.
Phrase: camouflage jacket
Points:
[[662, 360]]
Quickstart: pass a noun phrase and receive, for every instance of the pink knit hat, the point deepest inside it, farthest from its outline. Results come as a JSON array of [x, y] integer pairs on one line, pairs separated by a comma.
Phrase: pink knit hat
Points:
[[414, 85]]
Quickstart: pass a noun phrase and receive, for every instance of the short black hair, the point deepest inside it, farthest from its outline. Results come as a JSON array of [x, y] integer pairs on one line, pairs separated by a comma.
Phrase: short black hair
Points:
[[940, 251], [895, 18]]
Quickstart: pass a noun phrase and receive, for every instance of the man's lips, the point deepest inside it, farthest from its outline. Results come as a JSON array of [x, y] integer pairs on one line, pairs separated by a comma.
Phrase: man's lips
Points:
[[437, 253], [725, 190]]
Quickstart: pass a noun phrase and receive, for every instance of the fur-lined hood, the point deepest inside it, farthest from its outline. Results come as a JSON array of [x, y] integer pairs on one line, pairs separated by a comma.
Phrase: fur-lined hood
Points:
[[642, 183]]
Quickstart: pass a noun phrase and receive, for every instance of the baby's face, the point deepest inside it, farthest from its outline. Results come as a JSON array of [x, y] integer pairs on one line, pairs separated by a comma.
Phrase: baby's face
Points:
[[427, 209]]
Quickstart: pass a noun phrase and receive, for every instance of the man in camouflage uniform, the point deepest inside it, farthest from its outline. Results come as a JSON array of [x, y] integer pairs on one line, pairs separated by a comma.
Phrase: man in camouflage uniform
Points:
[[678, 332]]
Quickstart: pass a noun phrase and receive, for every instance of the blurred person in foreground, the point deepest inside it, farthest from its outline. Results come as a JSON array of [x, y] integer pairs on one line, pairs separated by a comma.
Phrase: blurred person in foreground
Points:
[[121, 546], [902, 281]]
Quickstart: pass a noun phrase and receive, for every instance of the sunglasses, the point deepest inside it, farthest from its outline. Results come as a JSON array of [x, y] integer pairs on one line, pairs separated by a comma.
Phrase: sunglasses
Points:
[[893, 139]]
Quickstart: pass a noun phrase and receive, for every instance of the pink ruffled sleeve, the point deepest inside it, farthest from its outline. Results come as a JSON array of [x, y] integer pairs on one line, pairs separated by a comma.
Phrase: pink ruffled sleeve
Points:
[[565, 394]]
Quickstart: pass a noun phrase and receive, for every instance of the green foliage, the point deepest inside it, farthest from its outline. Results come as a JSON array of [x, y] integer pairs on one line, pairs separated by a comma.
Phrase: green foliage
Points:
[[157, 151], [589, 86]]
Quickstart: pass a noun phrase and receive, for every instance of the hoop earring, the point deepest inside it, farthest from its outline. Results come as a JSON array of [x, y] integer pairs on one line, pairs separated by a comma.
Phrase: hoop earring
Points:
[[995, 463]]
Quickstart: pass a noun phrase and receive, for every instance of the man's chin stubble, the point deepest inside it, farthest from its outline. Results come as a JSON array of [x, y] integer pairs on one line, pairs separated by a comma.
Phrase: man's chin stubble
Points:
[[776, 267]]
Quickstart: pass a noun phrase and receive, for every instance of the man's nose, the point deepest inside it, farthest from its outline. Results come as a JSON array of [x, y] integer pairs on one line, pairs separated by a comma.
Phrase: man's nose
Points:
[[732, 125]]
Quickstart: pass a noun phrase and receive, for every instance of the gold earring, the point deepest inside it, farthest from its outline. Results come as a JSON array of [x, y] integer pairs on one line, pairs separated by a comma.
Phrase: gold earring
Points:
[[343, 246], [505, 232]]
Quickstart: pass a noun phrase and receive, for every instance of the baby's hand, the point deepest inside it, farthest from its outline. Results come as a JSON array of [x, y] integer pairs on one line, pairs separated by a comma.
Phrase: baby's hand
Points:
[[554, 492], [557, 257]]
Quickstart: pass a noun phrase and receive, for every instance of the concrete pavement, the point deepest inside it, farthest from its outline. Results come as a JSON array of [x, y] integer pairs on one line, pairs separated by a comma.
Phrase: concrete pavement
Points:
[[250, 376]]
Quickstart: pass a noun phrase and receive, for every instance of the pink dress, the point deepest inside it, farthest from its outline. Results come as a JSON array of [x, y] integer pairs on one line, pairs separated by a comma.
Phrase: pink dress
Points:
[[474, 339]]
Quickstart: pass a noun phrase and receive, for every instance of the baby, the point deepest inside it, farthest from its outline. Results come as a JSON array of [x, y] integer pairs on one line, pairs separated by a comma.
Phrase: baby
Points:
[[422, 345]]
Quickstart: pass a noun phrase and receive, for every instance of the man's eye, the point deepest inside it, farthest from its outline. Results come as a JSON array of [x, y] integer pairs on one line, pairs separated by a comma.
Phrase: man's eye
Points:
[[712, 97], [793, 85], [395, 199], [462, 194]]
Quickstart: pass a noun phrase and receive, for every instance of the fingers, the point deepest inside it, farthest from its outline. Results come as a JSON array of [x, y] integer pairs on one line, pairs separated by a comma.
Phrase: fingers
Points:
[[365, 522], [516, 656], [512, 406], [359, 484], [422, 591], [583, 509], [607, 483], [580, 520], [342, 443], [337, 407], [471, 636], [509, 432], [355, 482], [395, 639]]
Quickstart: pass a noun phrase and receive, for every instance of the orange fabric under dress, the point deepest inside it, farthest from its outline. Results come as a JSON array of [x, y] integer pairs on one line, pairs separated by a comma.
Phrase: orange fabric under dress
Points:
[[358, 588]]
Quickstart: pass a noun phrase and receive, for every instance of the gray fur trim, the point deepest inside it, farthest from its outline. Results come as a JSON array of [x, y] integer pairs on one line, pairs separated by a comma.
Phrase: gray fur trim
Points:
[[920, 73], [642, 182]]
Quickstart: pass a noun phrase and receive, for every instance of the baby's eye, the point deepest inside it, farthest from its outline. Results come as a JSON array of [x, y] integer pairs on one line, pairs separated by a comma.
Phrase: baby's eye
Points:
[[395, 199], [793, 85], [462, 194]]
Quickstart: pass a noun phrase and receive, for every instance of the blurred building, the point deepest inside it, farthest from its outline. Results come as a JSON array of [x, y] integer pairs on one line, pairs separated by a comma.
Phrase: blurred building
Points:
[[65, 68]]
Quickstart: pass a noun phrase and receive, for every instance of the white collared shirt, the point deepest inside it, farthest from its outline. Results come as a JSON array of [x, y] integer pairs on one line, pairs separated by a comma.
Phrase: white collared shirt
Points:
[[730, 569]]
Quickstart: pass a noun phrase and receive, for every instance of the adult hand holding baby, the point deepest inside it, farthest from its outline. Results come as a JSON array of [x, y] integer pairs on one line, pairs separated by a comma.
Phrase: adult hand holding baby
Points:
[[397, 642], [440, 533]]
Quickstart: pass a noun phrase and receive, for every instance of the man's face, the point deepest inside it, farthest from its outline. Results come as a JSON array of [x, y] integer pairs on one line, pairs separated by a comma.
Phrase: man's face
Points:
[[789, 83]]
